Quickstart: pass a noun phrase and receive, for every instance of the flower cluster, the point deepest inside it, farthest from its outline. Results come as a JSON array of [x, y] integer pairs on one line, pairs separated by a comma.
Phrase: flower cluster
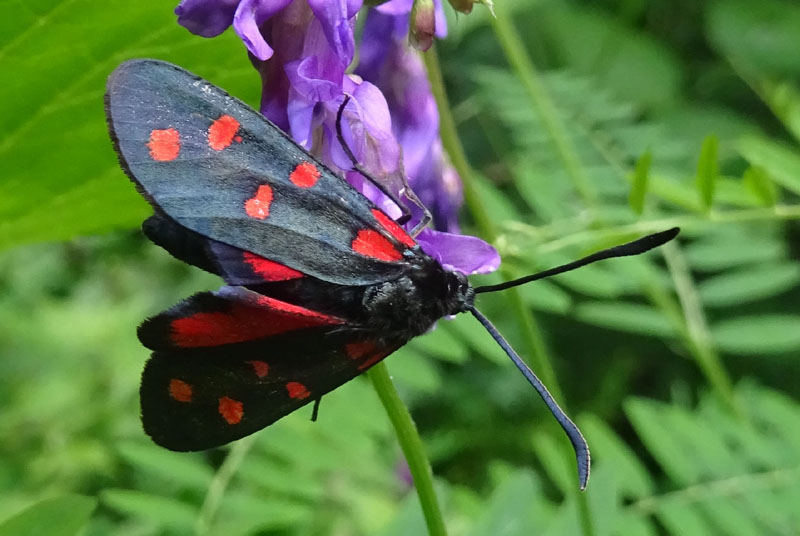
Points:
[[302, 49]]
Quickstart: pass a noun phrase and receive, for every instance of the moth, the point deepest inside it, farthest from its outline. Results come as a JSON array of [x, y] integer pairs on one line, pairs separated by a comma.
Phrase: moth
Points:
[[321, 284]]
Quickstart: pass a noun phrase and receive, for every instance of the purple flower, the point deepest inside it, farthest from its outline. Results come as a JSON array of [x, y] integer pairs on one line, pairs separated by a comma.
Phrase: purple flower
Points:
[[302, 49], [398, 71], [209, 18]]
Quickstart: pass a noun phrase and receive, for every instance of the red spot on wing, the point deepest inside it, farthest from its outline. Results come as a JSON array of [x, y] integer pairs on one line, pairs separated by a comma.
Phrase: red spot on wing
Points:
[[305, 175], [231, 410], [237, 139], [221, 132], [373, 244], [164, 145], [260, 368], [368, 353], [297, 390], [258, 206], [358, 350], [270, 270], [245, 323], [395, 230], [364, 365], [180, 390]]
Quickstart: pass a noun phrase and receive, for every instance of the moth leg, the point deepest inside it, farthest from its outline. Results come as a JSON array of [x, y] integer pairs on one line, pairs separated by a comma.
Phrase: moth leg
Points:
[[315, 411], [407, 191]]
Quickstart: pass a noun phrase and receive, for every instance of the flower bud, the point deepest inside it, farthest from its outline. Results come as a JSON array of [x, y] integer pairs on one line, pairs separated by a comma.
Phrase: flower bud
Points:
[[465, 6], [422, 25]]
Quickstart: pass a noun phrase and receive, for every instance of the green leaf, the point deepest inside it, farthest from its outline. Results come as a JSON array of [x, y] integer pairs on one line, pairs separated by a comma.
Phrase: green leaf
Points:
[[60, 177], [761, 334], [639, 184], [708, 170], [755, 283], [480, 341], [611, 451], [759, 36], [713, 253], [757, 181], [186, 469], [510, 509], [61, 516], [628, 317], [441, 343], [781, 161], [414, 370], [783, 98], [163, 511]]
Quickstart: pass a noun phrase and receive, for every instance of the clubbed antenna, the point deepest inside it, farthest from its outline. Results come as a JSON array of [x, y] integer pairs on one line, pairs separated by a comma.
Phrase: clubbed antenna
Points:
[[625, 250], [573, 433]]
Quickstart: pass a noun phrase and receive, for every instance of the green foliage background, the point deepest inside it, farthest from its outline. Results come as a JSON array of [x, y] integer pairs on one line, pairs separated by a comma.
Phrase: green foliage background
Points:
[[587, 123]]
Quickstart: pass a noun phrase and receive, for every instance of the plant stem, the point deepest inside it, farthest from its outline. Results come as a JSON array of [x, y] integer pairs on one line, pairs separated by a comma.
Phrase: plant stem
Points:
[[517, 57], [223, 476], [532, 335], [697, 332], [410, 442]]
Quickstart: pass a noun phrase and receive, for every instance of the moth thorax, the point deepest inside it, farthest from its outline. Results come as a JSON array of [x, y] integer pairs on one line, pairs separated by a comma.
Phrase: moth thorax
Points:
[[409, 306]]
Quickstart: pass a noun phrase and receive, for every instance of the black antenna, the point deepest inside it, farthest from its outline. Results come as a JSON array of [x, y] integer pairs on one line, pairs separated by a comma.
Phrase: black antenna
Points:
[[631, 248], [573, 433]]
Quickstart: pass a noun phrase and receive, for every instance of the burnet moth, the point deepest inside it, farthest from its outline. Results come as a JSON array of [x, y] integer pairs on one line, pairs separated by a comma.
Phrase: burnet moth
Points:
[[320, 283]]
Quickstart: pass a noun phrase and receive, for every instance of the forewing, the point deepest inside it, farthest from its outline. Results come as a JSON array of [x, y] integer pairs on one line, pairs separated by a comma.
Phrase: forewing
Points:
[[217, 167], [204, 392]]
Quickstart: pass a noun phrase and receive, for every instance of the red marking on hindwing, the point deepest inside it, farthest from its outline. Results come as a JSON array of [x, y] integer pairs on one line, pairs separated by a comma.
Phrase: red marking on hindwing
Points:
[[260, 368], [237, 139], [373, 244], [367, 352], [258, 206], [222, 132], [270, 270], [244, 322], [297, 390], [164, 145], [359, 350], [231, 410], [180, 390], [305, 175], [395, 230]]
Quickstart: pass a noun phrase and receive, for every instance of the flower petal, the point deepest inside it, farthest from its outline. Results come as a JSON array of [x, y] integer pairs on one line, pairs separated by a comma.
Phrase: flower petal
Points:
[[462, 253], [337, 23], [247, 20], [207, 18], [395, 7], [307, 79], [441, 20]]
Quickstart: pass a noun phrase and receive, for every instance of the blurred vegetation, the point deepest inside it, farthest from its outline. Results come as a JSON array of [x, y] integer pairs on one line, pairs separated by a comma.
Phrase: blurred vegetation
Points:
[[587, 123]]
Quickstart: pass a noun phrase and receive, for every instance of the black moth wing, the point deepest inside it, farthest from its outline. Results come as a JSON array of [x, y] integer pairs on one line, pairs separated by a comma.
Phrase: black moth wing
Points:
[[161, 119], [203, 388]]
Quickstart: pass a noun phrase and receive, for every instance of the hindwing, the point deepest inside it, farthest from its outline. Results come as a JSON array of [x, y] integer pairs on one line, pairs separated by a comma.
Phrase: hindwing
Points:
[[227, 364]]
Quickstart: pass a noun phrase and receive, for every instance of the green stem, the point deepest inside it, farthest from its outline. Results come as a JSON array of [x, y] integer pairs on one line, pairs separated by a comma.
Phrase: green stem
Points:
[[689, 221], [410, 442], [518, 58], [697, 332], [532, 335], [223, 476]]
